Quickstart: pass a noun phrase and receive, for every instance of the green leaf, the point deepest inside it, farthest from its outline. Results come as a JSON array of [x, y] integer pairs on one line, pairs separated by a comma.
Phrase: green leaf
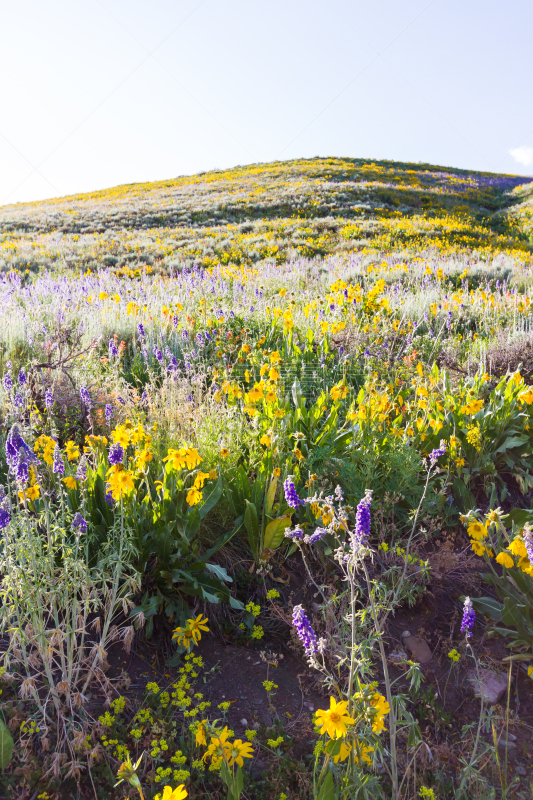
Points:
[[464, 498], [327, 788], [275, 532], [489, 607], [212, 498], [219, 572], [6, 746], [251, 524], [512, 441], [271, 495]]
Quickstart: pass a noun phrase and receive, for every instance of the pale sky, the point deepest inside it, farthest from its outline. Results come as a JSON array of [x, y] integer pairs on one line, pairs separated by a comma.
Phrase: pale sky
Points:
[[97, 93]]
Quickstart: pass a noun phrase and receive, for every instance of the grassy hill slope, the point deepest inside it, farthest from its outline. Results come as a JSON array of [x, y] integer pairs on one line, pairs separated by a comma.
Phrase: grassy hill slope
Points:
[[282, 210]]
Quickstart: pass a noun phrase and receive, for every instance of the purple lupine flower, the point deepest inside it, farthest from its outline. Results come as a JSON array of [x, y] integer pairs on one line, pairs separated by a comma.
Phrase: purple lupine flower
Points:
[[109, 413], [22, 377], [297, 533], [121, 400], [58, 466], [437, 453], [8, 382], [291, 495], [362, 518], [113, 349], [158, 354], [79, 522], [49, 399], [317, 535], [185, 334], [5, 518], [18, 400], [304, 630], [81, 472], [140, 329], [469, 617], [116, 453], [86, 398], [16, 448], [144, 397], [175, 320], [109, 497]]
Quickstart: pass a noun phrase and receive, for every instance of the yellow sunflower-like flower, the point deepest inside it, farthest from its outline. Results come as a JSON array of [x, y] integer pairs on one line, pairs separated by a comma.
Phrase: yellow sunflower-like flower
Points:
[[200, 733], [193, 497], [72, 450], [196, 626], [476, 530], [344, 752], [120, 483], [505, 560], [518, 548], [361, 752], [240, 750], [70, 482], [179, 793], [382, 708], [334, 720]]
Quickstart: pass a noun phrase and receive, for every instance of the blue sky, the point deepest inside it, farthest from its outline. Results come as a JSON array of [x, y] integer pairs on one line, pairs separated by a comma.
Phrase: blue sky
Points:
[[119, 91]]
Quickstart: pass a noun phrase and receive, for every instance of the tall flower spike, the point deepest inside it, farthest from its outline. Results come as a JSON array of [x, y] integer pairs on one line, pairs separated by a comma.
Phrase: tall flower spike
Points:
[[48, 399], [116, 454], [58, 466], [86, 398], [362, 519], [81, 472], [113, 349], [304, 630], [469, 617], [291, 495]]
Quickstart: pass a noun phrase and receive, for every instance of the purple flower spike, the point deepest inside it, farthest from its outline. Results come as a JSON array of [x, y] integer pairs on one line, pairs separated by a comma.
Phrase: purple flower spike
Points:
[[297, 533], [140, 329], [305, 632], [436, 454], [362, 518], [113, 349], [81, 472], [291, 495], [317, 536], [79, 522], [58, 466], [116, 454], [22, 377], [49, 399], [86, 398], [109, 414], [469, 617], [8, 382], [5, 518]]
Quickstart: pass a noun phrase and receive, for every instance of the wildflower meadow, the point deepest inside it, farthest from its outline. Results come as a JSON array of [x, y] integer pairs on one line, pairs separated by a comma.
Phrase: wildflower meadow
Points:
[[266, 467]]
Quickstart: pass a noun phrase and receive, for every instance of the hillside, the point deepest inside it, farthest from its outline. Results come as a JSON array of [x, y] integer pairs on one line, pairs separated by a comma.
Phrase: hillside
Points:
[[312, 207]]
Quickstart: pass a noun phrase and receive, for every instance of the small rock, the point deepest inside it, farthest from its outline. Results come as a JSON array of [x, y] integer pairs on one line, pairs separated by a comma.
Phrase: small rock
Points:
[[490, 685], [520, 770], [397, 656], [257, 701], [310, 706], [244, 723], [419, 648]]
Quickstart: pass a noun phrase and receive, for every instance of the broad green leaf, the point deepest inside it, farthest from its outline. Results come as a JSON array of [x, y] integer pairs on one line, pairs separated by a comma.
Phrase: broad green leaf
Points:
[[251, 523], [275, 532], [271, 495], [6, 745], [327, 788]]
